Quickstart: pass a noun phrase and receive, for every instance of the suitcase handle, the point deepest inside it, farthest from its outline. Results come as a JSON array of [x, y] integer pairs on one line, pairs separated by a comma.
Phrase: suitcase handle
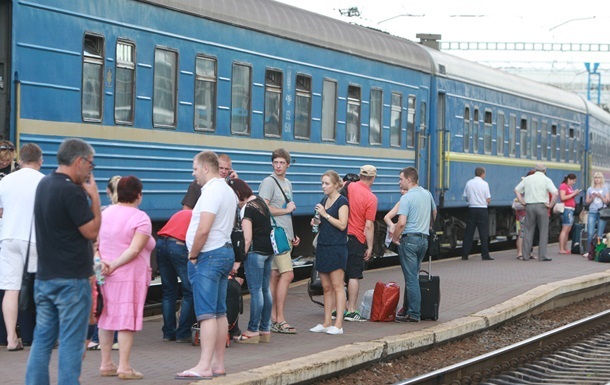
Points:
[[425, 272]]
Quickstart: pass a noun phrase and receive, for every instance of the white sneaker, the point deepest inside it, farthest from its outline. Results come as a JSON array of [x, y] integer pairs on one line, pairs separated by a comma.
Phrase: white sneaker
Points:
[[334, 330], [319, 328]]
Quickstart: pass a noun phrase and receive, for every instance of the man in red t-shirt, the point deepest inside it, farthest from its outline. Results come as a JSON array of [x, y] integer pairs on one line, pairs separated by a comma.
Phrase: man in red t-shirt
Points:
[[360, 231]]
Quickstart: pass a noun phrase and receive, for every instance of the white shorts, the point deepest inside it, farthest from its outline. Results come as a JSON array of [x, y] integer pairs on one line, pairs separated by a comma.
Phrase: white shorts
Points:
[[12, 259]]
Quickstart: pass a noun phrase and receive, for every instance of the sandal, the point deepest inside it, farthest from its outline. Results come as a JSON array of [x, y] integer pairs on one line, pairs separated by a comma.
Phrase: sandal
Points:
[[131, 375], [520, 257], [246, 339], [109, 373], [284, 328]]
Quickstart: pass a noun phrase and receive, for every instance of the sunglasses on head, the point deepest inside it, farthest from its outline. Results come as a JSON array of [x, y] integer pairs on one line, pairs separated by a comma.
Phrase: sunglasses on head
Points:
[[10, 148]]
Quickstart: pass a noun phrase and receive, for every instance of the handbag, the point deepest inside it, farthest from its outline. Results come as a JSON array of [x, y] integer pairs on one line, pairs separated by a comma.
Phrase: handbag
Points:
[[26, 293], [560, 207], [517, 206], [279, 239], [385, 301], [604, 213], [237, 239]]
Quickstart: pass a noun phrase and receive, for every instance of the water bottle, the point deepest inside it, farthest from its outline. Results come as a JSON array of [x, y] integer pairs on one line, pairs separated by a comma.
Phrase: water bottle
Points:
[[97, 268], [316, 223]]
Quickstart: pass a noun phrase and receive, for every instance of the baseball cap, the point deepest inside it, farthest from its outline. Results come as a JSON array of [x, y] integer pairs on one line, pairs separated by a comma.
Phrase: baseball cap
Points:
[[368, 170]]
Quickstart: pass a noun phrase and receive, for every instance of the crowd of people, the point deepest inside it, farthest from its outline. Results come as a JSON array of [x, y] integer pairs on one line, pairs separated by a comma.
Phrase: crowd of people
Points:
[[67, 231]]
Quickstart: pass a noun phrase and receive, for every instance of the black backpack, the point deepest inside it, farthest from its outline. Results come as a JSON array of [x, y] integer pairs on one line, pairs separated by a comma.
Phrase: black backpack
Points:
[[347, 179]]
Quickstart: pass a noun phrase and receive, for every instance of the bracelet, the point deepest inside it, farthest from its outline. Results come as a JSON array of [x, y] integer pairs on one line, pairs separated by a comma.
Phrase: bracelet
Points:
[[193, 258]]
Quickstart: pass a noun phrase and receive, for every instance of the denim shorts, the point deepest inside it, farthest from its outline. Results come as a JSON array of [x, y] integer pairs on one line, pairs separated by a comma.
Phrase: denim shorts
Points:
[[209, 277], [567, 217]]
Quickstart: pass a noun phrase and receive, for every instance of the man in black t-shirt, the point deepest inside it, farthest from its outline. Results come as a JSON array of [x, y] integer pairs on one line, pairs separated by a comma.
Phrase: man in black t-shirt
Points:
[[65, 225]]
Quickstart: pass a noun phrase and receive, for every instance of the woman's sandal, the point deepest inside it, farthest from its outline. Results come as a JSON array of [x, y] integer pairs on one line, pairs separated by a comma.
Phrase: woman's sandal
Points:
[[246, 339], [265, 337], [285, 328], [131, 375], [109, 373]]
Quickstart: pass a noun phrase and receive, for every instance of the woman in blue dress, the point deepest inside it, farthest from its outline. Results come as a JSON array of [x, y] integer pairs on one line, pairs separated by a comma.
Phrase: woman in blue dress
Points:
[[331, 251]]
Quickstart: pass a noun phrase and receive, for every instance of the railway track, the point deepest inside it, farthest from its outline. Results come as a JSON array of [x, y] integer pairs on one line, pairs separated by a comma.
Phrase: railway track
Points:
[[577, 353]]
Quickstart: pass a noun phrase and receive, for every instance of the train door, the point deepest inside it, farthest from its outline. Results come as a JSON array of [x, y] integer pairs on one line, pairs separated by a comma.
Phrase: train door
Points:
[[422, 158], [5, 59]]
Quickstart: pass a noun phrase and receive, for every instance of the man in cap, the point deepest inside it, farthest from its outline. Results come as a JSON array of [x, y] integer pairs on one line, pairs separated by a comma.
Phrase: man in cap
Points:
[[361, 231], [533, 192]]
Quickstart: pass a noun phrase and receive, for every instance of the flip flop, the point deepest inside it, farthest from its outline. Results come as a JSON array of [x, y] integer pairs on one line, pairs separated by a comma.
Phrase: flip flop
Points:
[[246, 339], [191, 375], [131, 375], [285, 328], [565, 252], [109, 373], [16, 348], [219, 374]]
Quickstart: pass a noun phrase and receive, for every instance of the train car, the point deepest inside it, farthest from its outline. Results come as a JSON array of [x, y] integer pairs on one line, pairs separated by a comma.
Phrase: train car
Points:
[[150, 83], [598, 144]]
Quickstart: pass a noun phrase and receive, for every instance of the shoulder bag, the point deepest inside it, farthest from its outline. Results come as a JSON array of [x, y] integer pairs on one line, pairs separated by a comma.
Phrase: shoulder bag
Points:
[[279, 239], [237, 239], [559, 208], [26, 294], [604, 213]]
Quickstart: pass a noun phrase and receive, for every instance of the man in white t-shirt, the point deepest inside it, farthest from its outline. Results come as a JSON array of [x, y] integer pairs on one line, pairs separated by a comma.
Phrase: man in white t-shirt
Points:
[[211, 258], [478, 197], [17, 193]]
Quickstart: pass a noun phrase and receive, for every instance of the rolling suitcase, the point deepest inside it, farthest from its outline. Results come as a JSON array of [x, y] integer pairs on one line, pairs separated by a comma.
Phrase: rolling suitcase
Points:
[[430, 288], [577, 245]]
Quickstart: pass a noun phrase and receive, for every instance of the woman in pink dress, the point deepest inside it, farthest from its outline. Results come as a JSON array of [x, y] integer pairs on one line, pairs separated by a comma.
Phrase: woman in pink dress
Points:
[[125, 244]]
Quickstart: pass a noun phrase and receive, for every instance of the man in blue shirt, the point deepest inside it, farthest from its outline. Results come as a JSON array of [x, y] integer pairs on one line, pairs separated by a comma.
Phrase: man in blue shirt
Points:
[[416, 214]]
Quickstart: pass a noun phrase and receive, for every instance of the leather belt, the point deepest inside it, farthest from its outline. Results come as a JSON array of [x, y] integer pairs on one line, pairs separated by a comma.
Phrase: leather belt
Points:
[[419, 235], [176, 240]]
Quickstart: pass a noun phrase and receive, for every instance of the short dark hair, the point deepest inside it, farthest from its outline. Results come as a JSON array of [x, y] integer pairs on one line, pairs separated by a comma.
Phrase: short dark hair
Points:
[[479, 171], [71, 149], [410, 173], [30, 153], [241, 188], [280, 153], [208, 157], [128, 189]]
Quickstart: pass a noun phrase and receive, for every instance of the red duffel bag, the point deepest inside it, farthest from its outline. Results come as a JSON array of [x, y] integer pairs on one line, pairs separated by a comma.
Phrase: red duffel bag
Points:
[[385, 301]]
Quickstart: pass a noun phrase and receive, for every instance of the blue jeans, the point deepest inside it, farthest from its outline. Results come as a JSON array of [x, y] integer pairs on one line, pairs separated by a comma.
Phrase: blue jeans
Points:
[[172, 259], [258, 272], [62, 311], [411, 252], [594, 220], [209, 278]]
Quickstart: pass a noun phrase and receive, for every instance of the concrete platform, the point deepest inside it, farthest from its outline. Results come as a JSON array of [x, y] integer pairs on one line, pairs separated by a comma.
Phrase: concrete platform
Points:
[[474, 294]]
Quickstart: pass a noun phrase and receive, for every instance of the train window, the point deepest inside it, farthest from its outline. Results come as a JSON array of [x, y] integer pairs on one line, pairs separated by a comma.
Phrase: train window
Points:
[[241, 99], [512, 136], [93, 78], [467, 133], [273, 103], [411, 122], [544, 153], [302, 107], [571, 150], [165, 88], [534, 139], [205, 93], [423, 111], [487, 132], [329, 110], [554, 143], [500, 135], [396, 120], [353, 115], [375, 116], [475, 131], [562, 142], [125, 82], [525, 150]]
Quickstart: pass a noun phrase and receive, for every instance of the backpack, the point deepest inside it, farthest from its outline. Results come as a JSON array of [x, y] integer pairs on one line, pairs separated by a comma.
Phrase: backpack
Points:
[[347, 179]]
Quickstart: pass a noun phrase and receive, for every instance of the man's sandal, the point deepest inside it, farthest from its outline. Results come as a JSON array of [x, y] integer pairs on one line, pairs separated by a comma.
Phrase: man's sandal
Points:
[[285, 328]]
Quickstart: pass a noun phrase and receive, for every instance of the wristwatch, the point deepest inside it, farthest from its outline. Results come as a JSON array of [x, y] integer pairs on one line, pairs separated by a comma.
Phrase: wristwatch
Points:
[[327, 216]]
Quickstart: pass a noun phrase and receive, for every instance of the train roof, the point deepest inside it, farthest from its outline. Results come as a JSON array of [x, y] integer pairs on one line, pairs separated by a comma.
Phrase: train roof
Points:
[[598, 113], [466, 71], [283, 20]]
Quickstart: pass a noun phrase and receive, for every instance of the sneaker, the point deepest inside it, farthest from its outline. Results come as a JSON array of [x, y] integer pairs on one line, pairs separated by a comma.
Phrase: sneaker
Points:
[[333, 330], [353, 317], [406, 318], [93, 346], [319, 328], [115, 346], [334, 314]]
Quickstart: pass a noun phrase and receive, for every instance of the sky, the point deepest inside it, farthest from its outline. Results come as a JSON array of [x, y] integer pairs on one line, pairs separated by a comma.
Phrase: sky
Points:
[[535, 21]]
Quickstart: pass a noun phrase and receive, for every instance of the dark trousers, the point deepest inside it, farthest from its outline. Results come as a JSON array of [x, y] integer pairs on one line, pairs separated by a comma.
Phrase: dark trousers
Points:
[[478, 218]]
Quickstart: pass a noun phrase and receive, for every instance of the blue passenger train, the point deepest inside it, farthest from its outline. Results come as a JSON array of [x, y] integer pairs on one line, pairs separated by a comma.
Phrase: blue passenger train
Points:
[[150, 83]]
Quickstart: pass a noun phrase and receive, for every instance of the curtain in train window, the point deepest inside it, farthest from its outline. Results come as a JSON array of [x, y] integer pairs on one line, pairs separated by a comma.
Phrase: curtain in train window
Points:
[[500, 135], [544, 147], [396, 120], [93, 71], [563, 139], [554, 142], [353, 115], [466, 137], [512, 136], [375, 116], [273, 103], [571, 149], [487, 132], [302, 107], [534, 139], [329, 110], [205, 94], [525, 149], [165, 88], [241, 99], [125, 82], [475, 131], [411, 122]]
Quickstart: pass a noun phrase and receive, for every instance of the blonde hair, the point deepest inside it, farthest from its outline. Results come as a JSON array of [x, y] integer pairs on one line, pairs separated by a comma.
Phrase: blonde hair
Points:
[[599, 174], [111, 189], [335, 179]]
